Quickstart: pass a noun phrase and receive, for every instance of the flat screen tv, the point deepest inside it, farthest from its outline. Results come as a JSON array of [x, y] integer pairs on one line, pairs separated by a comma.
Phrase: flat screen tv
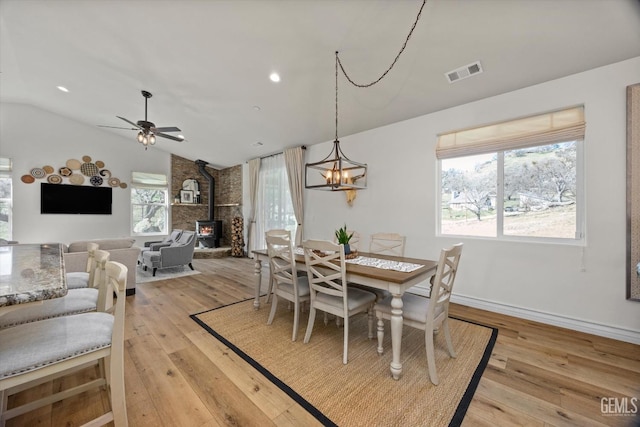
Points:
[[75, 199]]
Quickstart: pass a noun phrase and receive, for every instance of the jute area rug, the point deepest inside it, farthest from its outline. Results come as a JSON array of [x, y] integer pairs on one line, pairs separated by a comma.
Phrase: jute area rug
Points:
[[163, 274], [361, 393]]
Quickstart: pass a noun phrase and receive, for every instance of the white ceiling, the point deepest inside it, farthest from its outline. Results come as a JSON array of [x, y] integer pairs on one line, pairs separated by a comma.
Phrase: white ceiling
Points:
[[207, 63]]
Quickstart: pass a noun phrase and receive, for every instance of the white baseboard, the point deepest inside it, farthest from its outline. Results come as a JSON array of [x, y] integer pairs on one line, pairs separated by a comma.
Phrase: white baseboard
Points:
[[613, 332]]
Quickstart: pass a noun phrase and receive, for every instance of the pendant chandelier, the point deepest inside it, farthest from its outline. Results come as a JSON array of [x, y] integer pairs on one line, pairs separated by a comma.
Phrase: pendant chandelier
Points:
[[337, 172]]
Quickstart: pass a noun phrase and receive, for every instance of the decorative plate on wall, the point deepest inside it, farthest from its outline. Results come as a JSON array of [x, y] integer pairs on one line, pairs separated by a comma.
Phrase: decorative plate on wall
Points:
[[27, 179], [65, 171], [54, 179], [123, 185], [105, 172], [76, 179], [38, 173], [96, 180], [100, 163], [86, 159], [73, 164], [48, 169], [114, 182], [89, 169]]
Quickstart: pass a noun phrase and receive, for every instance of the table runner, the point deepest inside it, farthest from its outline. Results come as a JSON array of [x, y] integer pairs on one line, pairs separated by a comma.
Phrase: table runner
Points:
[[385, 264]]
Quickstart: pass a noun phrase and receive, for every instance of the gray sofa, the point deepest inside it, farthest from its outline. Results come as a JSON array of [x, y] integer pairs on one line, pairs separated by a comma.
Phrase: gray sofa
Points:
[[120, 250]]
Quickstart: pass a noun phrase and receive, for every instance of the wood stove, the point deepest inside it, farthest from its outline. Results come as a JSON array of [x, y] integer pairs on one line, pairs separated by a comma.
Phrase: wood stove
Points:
[[209, 233]]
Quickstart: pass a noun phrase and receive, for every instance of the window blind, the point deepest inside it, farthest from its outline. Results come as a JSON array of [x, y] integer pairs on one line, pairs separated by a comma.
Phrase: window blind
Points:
[[5, 164], [149, 180], [543, 129]]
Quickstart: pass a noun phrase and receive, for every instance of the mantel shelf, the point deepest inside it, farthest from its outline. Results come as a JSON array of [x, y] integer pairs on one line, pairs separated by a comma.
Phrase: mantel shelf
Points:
[[226, 205], [188, 204]]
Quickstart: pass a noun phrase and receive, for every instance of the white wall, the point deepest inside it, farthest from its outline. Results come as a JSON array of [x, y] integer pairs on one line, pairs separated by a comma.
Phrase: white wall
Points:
[[32, 137], [578, 287]]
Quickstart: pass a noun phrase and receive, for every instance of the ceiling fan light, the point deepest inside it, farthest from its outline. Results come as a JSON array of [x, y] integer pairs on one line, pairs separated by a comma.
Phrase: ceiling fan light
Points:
[[140, 137], [152, 139]]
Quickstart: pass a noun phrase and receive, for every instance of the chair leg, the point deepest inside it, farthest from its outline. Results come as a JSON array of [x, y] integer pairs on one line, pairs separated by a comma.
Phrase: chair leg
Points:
[[296, 319], [272, 313], [312, 319], [345, 350], [431, 359], [380, 335], [154, 271], [447, 336], [117, 392], [191, 266]]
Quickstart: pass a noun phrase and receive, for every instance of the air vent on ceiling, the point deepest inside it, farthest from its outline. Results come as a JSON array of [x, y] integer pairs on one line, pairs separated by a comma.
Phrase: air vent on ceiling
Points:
[[464, 72]]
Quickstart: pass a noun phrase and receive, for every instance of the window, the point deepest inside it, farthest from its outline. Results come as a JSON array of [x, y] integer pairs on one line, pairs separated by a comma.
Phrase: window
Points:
[[275, 209], [514, 180], [149, 204], [6, 205]]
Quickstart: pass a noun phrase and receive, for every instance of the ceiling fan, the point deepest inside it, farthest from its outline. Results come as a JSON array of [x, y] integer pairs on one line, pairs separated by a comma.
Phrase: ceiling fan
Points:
[[148, 130]]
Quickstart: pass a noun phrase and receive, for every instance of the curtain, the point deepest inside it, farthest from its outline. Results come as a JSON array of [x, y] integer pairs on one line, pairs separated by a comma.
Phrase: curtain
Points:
[[274, 209], [254, 171], [554, 127], [294, 161]]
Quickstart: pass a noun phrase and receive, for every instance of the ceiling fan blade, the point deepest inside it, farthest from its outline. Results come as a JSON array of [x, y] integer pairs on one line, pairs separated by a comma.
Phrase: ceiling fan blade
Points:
[[130, 122], [168, 129], [115, 127], [163, 135]]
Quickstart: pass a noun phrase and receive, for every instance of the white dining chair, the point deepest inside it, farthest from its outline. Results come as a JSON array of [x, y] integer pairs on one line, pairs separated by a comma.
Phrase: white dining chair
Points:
[[274, 232], [326, 273], [78, 300], [84, 279], [286, 283], [387, 244], [428, 314], [38, 352]]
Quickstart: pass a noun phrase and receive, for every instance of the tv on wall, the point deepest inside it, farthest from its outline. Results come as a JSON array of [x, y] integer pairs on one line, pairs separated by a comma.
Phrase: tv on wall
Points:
[[75, 199]]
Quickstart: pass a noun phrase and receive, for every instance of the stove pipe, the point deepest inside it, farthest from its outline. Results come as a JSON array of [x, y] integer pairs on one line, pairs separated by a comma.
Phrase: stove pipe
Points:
[[212, 185]]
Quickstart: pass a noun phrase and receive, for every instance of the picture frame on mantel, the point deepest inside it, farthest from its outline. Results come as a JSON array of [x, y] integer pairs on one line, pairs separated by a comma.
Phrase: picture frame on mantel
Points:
[[633, 192], [186, 196]]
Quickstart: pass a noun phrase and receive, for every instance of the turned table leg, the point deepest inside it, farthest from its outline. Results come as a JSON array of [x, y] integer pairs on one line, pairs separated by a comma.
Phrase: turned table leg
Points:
[[396, 335], [258, 277]]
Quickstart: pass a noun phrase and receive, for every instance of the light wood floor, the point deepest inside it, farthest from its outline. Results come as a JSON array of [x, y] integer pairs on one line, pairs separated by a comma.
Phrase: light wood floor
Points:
[[177, 375]]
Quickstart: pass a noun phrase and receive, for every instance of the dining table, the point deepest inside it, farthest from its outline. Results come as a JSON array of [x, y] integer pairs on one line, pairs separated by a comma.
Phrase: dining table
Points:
[[375, 271], [30, 274]]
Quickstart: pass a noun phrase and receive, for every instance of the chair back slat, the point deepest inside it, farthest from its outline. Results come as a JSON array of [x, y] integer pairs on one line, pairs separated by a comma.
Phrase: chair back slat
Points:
[[282, 261], [442, 283], [387, 244], [326, 267]]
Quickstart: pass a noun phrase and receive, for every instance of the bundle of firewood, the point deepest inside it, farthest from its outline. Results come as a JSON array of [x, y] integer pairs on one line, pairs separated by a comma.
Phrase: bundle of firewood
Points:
[[237, 237]]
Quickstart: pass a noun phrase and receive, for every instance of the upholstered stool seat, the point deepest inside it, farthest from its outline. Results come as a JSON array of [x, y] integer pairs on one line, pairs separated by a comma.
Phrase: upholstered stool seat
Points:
[[35, 345], [77, 279], [75, 302]]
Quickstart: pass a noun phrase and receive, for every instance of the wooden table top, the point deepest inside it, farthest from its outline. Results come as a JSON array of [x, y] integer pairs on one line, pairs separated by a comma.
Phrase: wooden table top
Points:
[[380, 273]]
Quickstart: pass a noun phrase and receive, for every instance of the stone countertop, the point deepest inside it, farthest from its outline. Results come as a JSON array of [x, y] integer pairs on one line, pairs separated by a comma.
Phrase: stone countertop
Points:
[[31, 272]]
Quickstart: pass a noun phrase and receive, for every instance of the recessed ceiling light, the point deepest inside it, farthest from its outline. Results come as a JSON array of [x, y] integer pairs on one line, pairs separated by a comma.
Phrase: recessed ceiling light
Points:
[[63, 89], [275, 77]]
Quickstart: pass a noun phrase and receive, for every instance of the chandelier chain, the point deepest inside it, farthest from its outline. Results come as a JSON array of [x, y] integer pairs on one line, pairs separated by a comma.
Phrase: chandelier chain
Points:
[[404, 45]]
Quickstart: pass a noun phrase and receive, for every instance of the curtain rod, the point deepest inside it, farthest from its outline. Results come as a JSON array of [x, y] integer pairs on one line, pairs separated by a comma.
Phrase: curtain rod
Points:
[[304, 147]]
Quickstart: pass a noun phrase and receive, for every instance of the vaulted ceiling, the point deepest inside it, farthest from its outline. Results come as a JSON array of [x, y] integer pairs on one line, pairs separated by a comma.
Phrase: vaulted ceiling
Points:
[[207, 62]]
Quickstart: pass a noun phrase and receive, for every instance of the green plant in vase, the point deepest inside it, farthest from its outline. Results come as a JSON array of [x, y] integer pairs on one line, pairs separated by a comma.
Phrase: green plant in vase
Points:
[[343, 238]]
